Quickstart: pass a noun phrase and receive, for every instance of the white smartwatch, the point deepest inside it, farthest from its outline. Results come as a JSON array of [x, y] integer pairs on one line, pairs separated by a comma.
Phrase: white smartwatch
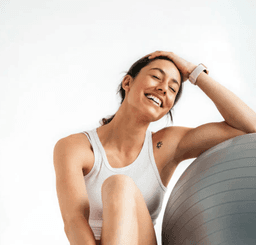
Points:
[[196, 72]]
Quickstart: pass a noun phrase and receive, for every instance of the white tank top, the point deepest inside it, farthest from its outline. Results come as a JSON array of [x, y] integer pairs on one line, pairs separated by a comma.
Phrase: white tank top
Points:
[[143, 171]]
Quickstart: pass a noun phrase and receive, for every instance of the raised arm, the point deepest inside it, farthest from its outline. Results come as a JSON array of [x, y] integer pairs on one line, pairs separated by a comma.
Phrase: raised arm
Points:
[[70, 153], [239, 118], [235, 112]]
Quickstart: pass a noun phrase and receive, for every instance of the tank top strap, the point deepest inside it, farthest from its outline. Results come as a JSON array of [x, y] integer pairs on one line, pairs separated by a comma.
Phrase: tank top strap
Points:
[[96, 152], [88, 136], [91, 138]]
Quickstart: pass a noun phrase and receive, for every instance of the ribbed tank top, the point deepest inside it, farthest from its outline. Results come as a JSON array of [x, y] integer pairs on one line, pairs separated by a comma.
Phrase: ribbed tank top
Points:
[[143, 171]]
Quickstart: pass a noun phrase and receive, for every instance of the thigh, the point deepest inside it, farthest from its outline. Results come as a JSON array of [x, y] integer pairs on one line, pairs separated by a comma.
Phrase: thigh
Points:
[[120, 191], [146, 228]]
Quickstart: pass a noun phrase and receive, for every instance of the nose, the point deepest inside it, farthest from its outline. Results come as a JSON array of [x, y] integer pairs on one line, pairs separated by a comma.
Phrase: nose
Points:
[[163, 87], [164, 92]]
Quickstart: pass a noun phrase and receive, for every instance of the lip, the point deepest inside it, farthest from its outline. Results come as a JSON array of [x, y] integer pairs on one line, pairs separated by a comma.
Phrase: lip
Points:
[[157, 97]]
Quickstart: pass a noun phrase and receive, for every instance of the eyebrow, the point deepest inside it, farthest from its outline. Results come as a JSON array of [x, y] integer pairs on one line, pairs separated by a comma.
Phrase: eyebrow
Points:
[[173, 80]]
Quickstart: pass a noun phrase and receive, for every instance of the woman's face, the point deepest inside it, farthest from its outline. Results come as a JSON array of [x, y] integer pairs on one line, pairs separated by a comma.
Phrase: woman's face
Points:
[[160, 79]]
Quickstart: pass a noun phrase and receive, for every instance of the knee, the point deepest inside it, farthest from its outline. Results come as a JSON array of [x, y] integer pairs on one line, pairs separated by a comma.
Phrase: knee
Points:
[[118, 184]]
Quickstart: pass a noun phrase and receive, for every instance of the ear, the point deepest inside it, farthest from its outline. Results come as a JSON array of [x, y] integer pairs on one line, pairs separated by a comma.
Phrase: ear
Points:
[[126, 83]]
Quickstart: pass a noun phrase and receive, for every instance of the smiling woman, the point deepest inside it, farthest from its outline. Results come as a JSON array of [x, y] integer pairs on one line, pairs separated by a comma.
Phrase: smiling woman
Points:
[[111, 180], [134, 71]]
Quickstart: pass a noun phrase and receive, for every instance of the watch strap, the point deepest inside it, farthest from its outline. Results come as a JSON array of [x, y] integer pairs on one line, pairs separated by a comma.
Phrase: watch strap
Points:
[[196, 72]]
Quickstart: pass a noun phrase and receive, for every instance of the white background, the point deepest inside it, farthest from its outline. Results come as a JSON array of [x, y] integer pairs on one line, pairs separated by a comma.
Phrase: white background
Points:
[[60, 64]]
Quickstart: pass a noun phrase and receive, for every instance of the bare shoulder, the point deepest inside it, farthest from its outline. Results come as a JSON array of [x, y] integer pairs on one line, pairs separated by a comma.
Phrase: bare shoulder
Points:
[[171, 135], [74, 149], [168, 139], [165, 145], [72, 157], [172, 145], [191, 142]]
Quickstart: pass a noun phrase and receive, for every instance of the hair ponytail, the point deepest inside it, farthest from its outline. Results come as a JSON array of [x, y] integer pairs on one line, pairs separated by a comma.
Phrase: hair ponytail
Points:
[[105, 121]]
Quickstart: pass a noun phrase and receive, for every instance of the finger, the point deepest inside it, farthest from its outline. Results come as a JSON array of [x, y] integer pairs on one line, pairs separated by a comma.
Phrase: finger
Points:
[[146, 56], [155, 54], [152, 54], [160, 53]]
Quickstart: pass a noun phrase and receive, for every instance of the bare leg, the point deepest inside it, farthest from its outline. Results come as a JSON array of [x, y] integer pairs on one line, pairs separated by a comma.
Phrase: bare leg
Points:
[[126, 220]]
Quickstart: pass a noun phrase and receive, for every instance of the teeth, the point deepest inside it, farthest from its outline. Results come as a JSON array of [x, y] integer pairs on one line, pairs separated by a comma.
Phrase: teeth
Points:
[[158, 101]]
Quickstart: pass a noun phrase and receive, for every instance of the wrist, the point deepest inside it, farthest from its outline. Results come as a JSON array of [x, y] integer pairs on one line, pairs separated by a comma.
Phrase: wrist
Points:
[[191, 69], [196, 72]]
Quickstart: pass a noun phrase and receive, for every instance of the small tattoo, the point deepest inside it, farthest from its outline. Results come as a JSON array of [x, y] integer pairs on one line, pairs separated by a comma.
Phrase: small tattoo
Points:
[[159, 144]]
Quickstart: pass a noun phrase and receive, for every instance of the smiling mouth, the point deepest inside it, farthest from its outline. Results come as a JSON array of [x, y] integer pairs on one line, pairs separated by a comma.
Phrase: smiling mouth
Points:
[[154, 101]]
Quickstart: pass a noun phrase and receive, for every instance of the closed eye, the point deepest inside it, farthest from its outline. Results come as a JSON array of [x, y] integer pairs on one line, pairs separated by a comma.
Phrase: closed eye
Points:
[[172, 89], [160, 79], [156, 77]]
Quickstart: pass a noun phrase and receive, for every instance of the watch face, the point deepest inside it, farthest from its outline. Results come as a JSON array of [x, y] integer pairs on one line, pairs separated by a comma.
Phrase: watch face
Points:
[[206, 70]]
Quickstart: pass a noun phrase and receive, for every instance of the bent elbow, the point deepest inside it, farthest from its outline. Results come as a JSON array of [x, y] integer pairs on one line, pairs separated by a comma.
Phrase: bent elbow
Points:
[[252, 129]]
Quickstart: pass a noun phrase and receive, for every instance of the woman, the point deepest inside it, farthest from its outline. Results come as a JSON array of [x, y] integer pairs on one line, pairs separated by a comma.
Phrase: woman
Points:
[[122, 169]]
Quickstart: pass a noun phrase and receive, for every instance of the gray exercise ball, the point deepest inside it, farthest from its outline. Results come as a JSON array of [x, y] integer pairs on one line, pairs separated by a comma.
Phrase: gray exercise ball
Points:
[[214, 201]]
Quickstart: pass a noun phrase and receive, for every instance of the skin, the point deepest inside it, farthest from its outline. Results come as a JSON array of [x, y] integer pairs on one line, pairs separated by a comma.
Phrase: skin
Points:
[[126, 132], [122, 140]]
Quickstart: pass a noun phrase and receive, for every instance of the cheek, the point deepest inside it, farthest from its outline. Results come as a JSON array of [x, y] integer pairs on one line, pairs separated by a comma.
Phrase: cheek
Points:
[[171, 100], [139, 88], [135, 94]]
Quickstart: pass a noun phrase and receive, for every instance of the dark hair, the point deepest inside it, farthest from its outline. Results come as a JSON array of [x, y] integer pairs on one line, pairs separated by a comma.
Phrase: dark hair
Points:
[[133, 72]]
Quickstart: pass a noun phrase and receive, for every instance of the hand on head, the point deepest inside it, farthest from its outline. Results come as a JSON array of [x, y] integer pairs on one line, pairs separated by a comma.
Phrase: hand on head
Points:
[[184, 66]]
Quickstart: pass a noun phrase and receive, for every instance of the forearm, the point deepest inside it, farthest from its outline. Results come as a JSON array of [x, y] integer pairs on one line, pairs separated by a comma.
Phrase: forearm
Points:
[[79, 232], [235, 112]]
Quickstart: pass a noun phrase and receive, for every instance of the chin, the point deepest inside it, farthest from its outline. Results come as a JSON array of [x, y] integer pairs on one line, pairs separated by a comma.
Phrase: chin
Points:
[[155, 118]]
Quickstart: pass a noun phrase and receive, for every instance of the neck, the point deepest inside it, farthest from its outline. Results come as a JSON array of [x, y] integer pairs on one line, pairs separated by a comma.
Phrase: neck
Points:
[[125, 133]]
